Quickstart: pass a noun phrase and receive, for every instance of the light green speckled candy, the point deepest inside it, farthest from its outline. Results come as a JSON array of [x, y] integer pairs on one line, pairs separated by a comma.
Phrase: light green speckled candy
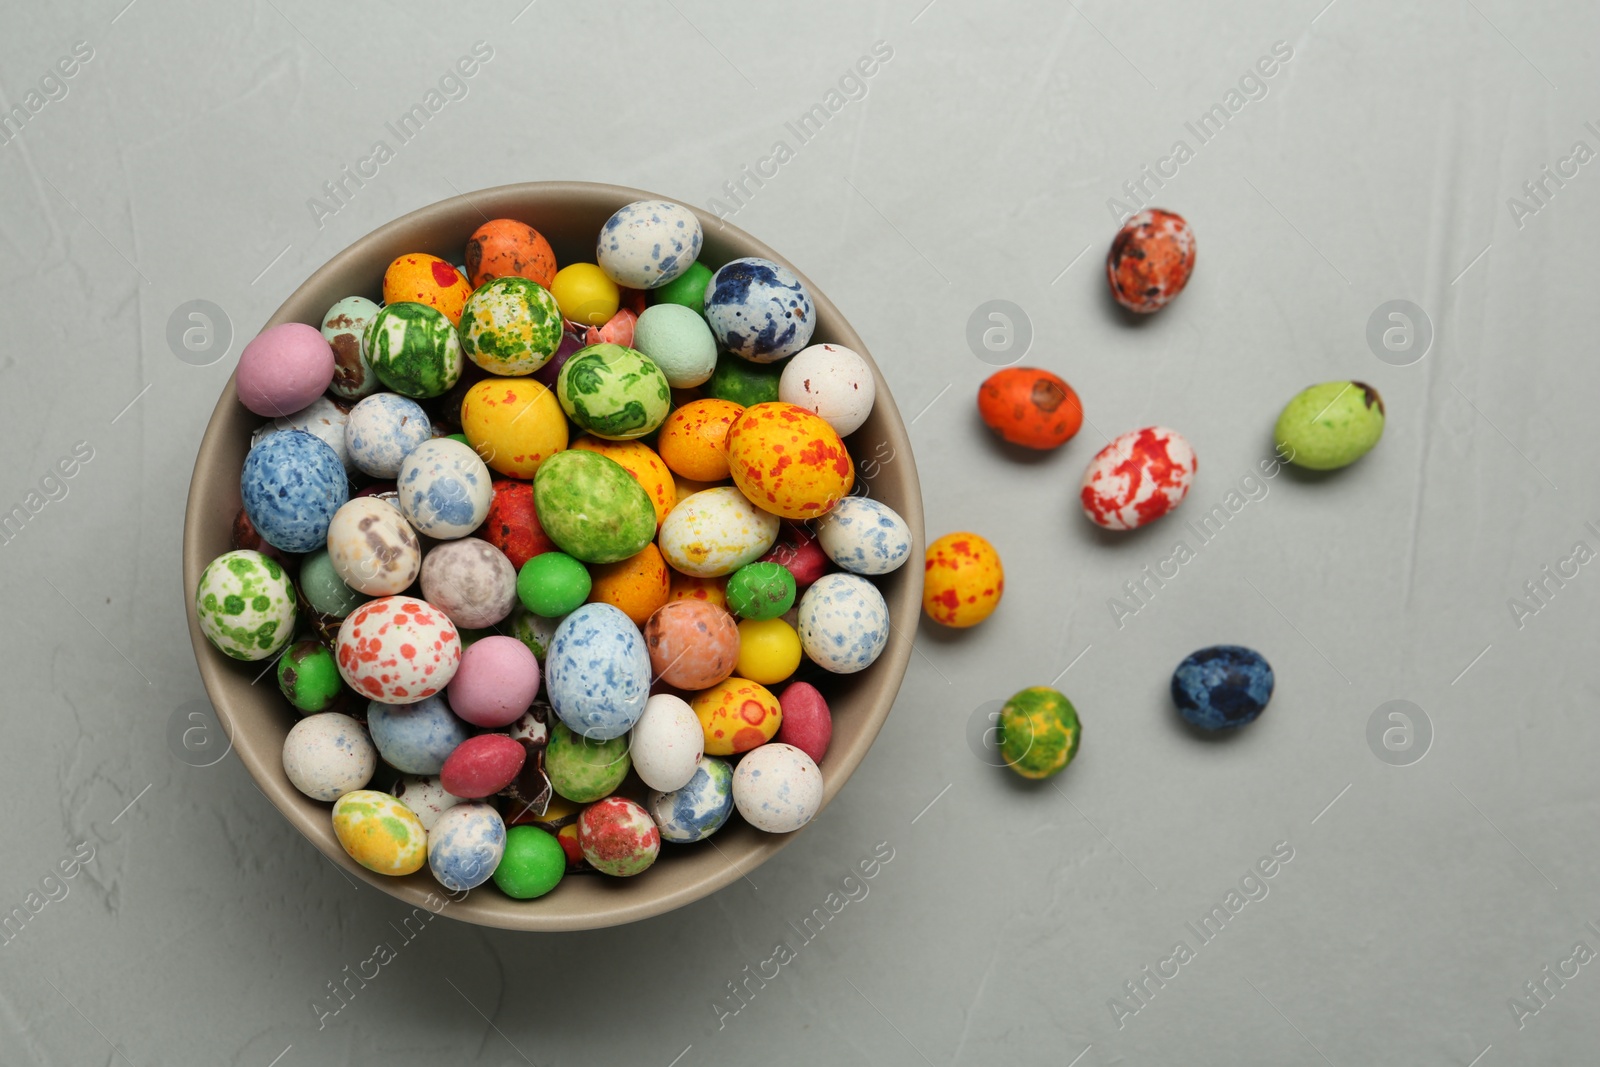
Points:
[[583, 770], [614, 392], [511, 326], [414, 350], [245, 605], [1329, 426], [592, 508]]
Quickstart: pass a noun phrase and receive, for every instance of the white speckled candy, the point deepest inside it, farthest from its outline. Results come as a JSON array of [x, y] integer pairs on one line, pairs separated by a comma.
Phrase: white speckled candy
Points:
[[844, 623], [382, 430], [865, 536], [667, 743], [597, 672], [759, 310], [245, 604], [425, 796], [398, 649], [833, 381], [343, 327], [322, 418], [698, 809], [373, 548], [715, 532], [1138, 478], [777, 788], [465, 845], [445, 489], [648, 243], [328, 755]]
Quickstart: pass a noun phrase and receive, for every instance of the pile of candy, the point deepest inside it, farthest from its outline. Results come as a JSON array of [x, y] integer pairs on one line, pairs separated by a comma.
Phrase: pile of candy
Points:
[[494, 599]]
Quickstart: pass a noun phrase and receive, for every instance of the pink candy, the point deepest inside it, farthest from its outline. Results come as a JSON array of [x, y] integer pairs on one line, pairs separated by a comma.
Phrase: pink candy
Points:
[[284, 369], [482, 766], [496, 682], [807, 723]]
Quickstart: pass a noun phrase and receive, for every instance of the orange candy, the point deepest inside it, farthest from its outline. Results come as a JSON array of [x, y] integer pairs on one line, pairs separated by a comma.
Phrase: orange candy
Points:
[[737, 715], [505, 247], [789, 461], [424, 279], [962, 580], [638, 585], [694, 439], [637, 459], [1030, 407]]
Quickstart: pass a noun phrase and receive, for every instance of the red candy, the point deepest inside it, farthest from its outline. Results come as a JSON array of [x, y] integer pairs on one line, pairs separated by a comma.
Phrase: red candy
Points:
[[512, 525], [807, 723], [1151, 259], [482, 766], [1030, 407], [797, 549]]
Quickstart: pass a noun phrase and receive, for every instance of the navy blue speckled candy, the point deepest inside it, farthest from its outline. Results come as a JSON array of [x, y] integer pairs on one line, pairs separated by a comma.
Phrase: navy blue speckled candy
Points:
[[1222, 687], [759, 310], [291, 485]]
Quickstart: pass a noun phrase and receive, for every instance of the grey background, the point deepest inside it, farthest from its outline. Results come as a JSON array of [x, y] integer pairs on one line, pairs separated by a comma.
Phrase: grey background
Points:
[[978, 166]]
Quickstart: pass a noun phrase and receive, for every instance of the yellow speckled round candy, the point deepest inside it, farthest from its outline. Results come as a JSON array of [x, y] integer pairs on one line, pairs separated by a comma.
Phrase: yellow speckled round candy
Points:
[[962, 581], [639, 460], [737, 715], [379, 832], [769, 650], [423, 279], [789, 460], [716, 532], [585, 294], [515, 424]]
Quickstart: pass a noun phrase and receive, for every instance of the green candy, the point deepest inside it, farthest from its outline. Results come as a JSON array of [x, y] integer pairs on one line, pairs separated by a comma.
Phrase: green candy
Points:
[[532, 865], [309, 677], [245, 604], [743, 382], [552, 584], [510, 326], [459, 437], [583, 770], [1329, 426], [614, 392], [679, 342], [414, 350], [535, 631], [688, 289], [592, 508], [761, 591], [1039, 732], [324, 590]]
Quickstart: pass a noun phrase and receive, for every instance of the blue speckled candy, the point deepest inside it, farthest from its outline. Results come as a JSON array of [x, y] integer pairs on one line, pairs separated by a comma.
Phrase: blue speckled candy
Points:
[[415, 738], [1222, 687], [465, 846], [865, 536], [697, 810], [382, 430], [648, 243], [759, 310], [291, 486], [844, 623], [445, 489], [597, 672]]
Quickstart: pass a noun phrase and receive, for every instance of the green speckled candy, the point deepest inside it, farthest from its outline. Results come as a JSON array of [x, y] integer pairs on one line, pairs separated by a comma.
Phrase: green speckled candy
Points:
[[614, 392], [592, 508], [1039, 732], [309, 677], [324, 590], [1329, 426], [511, 326], [414, 350], [743, 382], [245, 605], [582, 770]]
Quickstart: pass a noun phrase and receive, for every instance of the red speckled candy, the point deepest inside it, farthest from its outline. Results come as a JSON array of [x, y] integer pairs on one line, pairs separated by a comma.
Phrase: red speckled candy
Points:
[[512, 524], [807, 723], [1138, 478], [1150, 261], [618, 837], [1030, 407], [788, 460], [398, 650], [798, 550], [482, 766]]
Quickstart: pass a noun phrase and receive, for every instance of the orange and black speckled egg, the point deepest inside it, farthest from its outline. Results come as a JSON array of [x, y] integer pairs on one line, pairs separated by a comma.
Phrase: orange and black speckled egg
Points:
[[419, 278], [1150, 261], [1030, 407], [505, 247], [789, 461]]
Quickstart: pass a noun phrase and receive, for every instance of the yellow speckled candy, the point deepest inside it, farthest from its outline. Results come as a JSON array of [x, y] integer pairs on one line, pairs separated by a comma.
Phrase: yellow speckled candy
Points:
[[515, 424], [688, 587], [639, 460], [789, 460], [737, 715], [716, 532], [423, 279], [962, 581], [380, 833]]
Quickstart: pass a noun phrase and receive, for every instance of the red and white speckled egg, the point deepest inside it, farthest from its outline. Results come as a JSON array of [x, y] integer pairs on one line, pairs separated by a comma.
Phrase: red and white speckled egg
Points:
[[1150, 260], [398, 650], [1138, 478]]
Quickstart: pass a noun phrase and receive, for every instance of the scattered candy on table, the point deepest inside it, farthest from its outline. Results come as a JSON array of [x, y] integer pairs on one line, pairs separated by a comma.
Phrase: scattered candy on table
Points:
[[1138, 478], [1039, 732], [1222, 687], [1030, 407], [962, 580], [1329, 426], [1150, 260]]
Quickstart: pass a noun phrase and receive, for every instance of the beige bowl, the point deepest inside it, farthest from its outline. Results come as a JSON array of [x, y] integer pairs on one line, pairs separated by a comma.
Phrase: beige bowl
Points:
[[257, 718]]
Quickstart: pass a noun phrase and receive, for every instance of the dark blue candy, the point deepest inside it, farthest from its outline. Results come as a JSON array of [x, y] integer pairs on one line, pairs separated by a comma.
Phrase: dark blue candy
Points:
[[1222, 687]]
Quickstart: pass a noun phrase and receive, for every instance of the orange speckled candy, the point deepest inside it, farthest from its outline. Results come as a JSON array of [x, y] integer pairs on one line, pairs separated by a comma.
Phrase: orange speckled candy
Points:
[[694, 439], [638, 585], [514, 424], [647, 469], [688, 587], [963, 580], [692, 644], [425, 279], [1030, 407], [737, 715], [1150, 260], [687, 488], [789, 461], [505, 247]]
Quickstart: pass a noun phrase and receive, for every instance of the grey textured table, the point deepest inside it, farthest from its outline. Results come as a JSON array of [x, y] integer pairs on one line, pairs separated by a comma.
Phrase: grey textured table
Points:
[[1387, 157]]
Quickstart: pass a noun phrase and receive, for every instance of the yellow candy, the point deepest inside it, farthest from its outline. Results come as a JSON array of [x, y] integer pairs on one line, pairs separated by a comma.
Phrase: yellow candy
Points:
[[380, 833], [737, 715], [769, 650], [514, 423], [585, 294], [639, 460], [962, 580], [424, 279]]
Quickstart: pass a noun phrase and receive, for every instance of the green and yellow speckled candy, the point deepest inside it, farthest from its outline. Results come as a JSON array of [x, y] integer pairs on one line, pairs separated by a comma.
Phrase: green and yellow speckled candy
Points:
[[1039, 732], [614, 392], [379, 832], [414, 350], [245, 604], [511, 326]]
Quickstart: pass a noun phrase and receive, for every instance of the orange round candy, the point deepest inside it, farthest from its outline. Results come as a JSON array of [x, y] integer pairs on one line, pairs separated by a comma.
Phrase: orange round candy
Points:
[[637, 459], [789, 461], [688, 587], [962, 581], [1030, 407], [638, 585], [423, 279], [694, 439], [505, 247], [692, 644], [737, 715]]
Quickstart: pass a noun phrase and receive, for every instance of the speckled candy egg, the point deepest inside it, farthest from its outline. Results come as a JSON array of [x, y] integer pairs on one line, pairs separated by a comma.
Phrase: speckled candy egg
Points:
[[715, 532], [429, 280], [284, 368], [291, 485], [1222, 687], [693, 644], [699, 808], [308, 678], [648, 243], [789, 460], [667, 743], [445, 489], [962, 580], [592, 508], [380, 833], [694, 439], [1030, 407], [505, 248], [865, 536], [245, 605], [597, 672], [638, 585], [1138, 478], [618, 837], [414, 349], [465, 846], [833, 381], [777, 788], [398, 649], [1150, 261], [415, 738], [1039, 732], [382, 430], [614, 392], [582, 769], [510, 327], [326, 756], [678, 341], [736, 715], [373, 548], [513, 424], [322, 419], [1329, 426], [471, 581], [425, 796], [639, 460], [759, 310], [844, 623], [344, 327], [512, 524]]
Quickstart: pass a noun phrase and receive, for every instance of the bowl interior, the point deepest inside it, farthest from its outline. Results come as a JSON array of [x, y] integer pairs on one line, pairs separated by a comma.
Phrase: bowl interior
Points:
[[257, 718]]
